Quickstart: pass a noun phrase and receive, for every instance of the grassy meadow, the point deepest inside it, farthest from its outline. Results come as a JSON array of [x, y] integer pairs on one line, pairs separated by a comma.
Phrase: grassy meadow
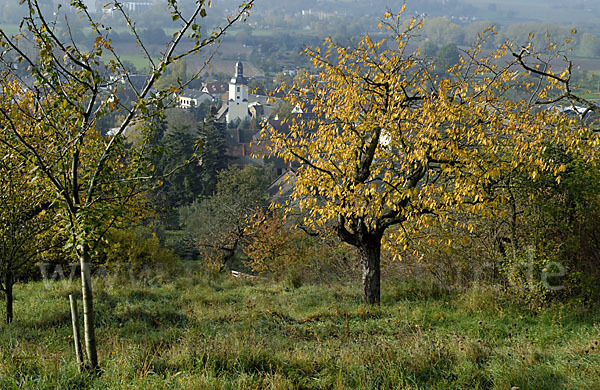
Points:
[[197, 332]]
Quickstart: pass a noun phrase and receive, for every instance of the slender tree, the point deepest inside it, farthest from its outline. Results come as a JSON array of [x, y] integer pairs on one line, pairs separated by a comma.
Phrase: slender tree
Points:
[[67, 88]]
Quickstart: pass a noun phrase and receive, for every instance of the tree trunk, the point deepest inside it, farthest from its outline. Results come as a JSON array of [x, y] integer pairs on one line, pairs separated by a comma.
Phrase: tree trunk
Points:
[[88, 307], [8, 281], [370, 254], [230, 255]]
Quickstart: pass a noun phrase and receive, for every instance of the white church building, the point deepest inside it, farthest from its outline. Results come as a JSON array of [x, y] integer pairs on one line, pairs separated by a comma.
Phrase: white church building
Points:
[[238, 95]]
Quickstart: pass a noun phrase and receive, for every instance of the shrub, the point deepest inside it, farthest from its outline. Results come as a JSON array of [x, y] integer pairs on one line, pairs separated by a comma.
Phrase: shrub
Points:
[[542, 242], [286, 252], [558, 228], [136, 254]]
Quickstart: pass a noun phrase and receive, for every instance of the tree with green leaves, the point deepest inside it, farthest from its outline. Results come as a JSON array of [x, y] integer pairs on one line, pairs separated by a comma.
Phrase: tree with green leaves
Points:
[[190, 171], [213, 158], [447, 56], [48, 117], [217, 225], [180, 165]]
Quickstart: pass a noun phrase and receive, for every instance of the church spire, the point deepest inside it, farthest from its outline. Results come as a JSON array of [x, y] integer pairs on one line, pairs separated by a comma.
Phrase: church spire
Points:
[[239, 74], [239, 69]]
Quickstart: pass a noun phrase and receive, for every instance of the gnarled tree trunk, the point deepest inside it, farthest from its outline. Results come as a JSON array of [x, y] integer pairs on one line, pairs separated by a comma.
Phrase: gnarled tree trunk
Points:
[[368, 242], [370, 254]]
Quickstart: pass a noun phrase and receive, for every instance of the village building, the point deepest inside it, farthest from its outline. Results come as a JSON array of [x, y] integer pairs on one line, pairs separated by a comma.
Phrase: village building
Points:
[[129, 6], [215, 88], [191, 98]]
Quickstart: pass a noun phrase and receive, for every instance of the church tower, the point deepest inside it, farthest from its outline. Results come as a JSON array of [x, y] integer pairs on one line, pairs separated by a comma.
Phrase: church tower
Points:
[[238, 95]]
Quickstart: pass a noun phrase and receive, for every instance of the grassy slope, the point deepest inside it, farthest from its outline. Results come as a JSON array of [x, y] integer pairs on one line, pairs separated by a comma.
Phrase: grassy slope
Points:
[[191, 333]]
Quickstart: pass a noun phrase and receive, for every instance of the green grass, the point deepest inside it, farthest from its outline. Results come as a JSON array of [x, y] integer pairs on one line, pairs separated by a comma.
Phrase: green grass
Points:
[[137, 59], [195, 333]]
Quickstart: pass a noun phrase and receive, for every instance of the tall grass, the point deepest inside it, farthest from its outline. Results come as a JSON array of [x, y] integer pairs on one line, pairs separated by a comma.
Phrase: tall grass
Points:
[[197, 333]]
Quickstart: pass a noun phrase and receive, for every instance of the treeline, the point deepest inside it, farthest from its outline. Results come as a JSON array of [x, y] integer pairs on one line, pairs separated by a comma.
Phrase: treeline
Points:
[[444, 31]]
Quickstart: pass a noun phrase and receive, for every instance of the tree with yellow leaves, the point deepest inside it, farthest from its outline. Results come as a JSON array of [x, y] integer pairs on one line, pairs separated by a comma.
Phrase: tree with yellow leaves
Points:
[[388, 145]]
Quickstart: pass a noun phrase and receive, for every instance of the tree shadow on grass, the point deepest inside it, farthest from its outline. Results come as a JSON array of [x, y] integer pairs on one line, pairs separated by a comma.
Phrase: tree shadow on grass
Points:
[[537, 378], [167, 318]]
